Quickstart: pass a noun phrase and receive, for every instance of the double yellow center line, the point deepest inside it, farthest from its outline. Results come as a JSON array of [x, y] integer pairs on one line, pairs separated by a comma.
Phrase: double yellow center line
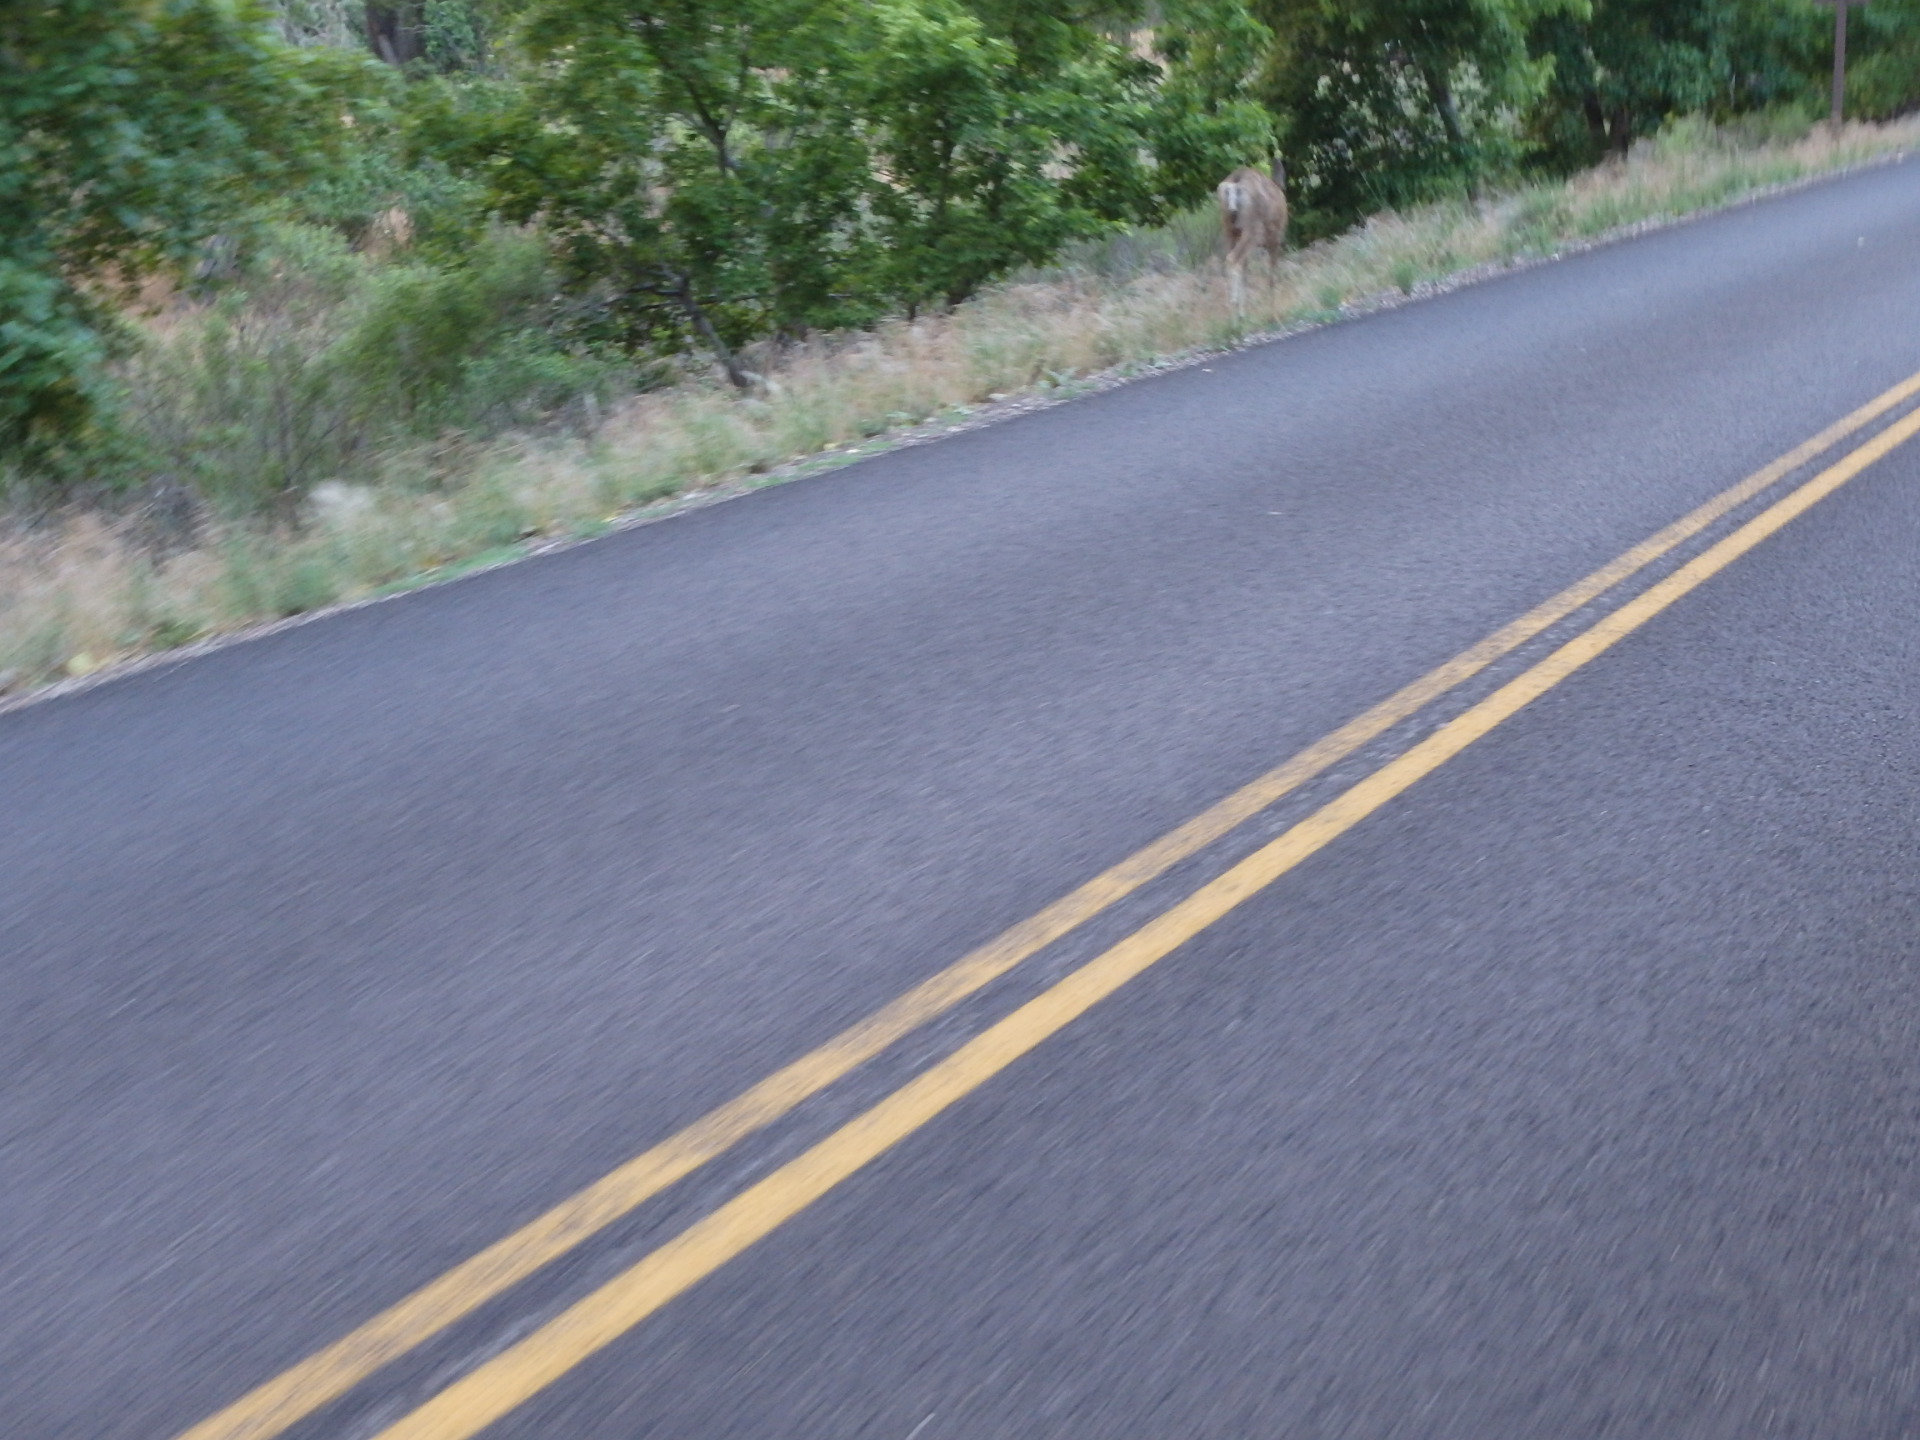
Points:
[[516, 1374]]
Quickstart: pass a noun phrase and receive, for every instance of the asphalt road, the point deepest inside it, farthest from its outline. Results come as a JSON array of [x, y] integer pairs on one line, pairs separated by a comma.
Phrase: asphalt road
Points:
[[1575, 1092]]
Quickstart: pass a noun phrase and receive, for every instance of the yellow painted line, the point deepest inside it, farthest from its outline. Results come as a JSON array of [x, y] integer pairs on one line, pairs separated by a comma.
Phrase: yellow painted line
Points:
[[324, 1376], [529, 1366]]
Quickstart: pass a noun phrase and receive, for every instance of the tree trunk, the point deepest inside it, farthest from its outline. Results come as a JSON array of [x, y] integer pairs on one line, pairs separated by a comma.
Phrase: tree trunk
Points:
[[397, 33], [1441, 94], [1596, 122], [738, 374], [1620, 131]]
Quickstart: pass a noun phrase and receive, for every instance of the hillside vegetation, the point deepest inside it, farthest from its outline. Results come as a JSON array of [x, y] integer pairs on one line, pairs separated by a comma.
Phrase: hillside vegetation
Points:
[[302, 302]]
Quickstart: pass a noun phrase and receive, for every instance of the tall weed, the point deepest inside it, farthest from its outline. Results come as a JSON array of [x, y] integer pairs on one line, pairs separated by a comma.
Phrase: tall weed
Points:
[[320, 362]]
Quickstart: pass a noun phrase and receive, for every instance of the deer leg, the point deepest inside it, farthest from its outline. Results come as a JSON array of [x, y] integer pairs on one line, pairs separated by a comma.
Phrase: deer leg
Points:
[[1237, 269]]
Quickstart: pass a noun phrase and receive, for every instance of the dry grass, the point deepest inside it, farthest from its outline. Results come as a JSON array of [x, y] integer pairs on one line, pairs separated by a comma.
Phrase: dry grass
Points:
[[81, 594]]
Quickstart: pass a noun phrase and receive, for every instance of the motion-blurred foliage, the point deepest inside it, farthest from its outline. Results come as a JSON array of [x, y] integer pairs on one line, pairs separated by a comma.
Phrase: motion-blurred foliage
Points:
[[130, 131]]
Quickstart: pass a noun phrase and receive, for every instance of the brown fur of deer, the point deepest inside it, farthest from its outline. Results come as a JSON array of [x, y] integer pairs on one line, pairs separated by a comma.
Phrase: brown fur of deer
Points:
[[1253, 212], [388, 233]]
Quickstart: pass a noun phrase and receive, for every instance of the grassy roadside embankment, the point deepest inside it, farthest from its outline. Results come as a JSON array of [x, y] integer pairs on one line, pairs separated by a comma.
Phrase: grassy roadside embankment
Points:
[[86, 591]]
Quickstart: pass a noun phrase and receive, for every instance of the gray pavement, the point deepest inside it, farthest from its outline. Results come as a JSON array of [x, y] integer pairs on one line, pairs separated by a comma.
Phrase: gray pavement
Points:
[[1576, 1093]]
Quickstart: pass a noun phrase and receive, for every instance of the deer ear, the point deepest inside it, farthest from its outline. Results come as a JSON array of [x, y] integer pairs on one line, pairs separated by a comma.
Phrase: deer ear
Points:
[[1279, 171]]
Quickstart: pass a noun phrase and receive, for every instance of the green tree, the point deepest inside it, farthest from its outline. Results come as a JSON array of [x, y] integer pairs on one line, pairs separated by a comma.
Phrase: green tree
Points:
[[1885, 68], [1626, 67], [1208, 116], [998, 133], [130, 131], [726, 169], [690, 158], [1004, 128], [1387, 102], [419, 36]]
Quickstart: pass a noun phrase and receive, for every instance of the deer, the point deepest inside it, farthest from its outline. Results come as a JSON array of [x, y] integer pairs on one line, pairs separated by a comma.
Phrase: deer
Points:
[[387, 233], [1253, 211]]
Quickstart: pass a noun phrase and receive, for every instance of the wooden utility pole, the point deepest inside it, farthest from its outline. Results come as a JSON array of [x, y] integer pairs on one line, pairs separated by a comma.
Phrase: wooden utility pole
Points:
[[1839, 56]]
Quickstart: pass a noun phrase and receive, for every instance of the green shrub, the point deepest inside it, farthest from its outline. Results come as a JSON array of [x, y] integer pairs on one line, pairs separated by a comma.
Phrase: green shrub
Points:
[[319, 363], [129, 133], [1187, 240]]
